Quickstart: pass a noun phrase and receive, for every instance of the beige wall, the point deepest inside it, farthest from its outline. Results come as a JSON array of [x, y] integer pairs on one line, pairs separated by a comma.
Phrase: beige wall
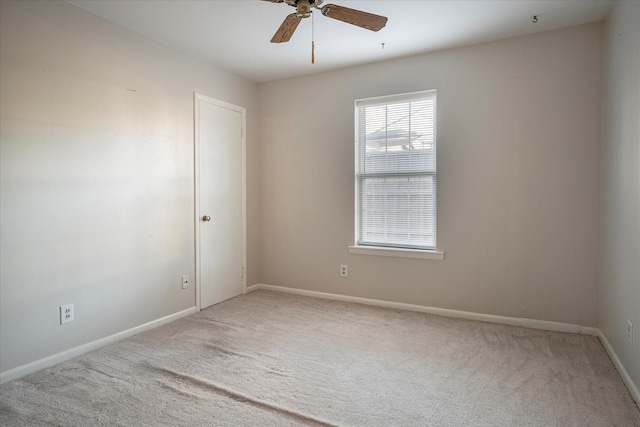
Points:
[[620, 228], [97, 177], [519, 124]]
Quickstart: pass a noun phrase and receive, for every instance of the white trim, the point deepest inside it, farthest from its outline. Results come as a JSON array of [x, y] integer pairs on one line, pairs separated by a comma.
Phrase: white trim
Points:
[[525, 323], [197, 98], [243, 137], [255, 287], [547, 325], [514, 321], [396, 252], [196, 198], [633, 389], [359, 104], [29, 368], [389, 99]]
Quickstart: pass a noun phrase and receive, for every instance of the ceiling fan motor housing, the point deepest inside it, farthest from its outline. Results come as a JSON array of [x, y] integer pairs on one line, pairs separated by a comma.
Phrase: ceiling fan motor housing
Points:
[[303, 9], [313, 3]]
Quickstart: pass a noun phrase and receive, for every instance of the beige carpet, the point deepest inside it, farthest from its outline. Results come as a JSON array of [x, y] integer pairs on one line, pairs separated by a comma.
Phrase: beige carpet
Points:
[[272, 359]]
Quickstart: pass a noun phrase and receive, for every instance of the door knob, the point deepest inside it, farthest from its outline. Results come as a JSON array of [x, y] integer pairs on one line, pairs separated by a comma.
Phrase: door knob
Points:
[[206, 218]]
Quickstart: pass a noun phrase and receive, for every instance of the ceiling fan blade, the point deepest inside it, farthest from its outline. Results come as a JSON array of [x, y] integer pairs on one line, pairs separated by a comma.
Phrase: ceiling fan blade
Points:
[[286, 30], [355, 17]]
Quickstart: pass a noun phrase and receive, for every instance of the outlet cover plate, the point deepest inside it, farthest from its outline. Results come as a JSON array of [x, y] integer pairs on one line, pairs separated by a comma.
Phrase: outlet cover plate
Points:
[[66, 314], [344, 270]]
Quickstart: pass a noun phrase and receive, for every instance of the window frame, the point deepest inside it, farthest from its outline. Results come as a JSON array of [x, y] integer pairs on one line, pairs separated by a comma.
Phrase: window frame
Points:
[[389, 249]]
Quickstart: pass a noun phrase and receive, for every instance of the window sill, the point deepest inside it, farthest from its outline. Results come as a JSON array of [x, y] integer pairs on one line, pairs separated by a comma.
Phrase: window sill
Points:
[[396, 252]]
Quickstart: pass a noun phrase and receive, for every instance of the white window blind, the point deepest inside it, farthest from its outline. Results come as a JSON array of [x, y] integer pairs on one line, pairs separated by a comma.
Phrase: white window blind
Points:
[[396, 171]]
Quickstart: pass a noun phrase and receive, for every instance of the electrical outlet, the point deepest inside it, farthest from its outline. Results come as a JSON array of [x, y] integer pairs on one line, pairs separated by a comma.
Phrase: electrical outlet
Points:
[[630, 333], [66, 314], [344, 270], [185, 282]]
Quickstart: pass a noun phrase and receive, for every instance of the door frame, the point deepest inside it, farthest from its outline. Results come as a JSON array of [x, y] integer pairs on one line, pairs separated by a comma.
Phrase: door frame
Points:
[[197, 99]]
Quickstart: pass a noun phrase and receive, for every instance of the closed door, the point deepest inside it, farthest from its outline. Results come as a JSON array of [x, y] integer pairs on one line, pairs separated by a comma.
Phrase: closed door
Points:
[[219, 200]]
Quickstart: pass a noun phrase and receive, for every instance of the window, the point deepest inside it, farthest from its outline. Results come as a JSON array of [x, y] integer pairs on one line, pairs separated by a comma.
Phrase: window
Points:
[[396, 172]]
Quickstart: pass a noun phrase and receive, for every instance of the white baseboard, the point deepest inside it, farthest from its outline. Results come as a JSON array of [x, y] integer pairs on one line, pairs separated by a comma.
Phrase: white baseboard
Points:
[[29, 368], [633, 389], [526, 323], [252, 288]]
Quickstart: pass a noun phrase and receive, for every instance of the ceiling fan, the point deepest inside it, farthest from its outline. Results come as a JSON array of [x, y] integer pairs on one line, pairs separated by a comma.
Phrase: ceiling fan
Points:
[[303, 10]]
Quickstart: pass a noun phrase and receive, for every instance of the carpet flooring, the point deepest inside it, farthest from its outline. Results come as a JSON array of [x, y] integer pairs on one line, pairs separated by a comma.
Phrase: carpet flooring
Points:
[[274, 359]]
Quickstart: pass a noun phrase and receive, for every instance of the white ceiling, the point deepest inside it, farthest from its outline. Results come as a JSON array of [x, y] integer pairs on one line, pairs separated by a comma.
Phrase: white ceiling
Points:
[[235, 34]]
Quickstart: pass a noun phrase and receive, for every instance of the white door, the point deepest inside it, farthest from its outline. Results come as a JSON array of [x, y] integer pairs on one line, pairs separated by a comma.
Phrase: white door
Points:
[[220, 229]]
